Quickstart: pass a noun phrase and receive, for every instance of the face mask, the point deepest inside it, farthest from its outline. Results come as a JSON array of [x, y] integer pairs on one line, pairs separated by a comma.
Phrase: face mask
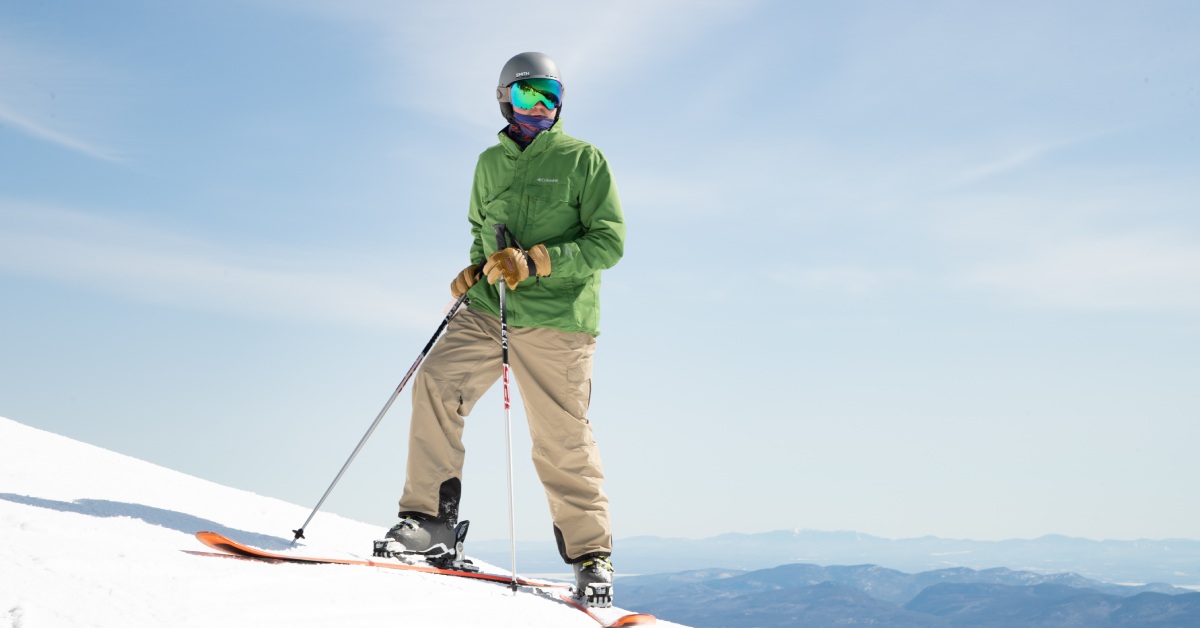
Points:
[[524, 128]]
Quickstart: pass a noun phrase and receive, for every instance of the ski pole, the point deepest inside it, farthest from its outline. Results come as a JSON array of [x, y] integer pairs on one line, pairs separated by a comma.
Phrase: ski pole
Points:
[[501, 244], [413, 369]]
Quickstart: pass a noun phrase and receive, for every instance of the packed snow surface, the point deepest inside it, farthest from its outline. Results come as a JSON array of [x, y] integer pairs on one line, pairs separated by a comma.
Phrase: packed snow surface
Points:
[[89, 537]]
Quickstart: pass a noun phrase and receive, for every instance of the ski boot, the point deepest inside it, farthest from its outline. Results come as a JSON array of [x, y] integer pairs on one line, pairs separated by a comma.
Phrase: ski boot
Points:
[[593, 581], [416, 538]]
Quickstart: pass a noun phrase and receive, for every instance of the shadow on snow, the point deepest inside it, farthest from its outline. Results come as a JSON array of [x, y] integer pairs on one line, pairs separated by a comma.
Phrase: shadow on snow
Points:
[[183, 522]]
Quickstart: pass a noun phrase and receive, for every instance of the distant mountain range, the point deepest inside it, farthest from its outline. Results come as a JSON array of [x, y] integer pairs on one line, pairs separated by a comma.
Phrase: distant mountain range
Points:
[[734, 580], [810, 595], [1173, 561]]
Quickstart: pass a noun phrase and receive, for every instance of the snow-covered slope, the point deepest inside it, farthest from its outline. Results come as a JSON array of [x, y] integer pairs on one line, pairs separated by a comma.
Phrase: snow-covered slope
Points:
[[89, 537]]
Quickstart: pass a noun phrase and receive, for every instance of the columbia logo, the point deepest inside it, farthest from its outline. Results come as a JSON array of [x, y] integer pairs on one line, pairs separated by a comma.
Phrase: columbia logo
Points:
[[541, 180]]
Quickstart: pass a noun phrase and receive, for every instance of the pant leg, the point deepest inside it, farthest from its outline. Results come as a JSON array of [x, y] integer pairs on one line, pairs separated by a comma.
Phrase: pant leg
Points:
[[553, 370], [459, 369]]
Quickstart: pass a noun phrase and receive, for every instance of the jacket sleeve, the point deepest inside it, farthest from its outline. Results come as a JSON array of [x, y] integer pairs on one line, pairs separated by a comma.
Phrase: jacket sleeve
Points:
[[603, 241], [475, 216]]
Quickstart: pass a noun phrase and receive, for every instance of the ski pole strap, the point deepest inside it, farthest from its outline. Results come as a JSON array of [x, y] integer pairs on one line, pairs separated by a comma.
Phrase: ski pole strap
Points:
[[505, 238], [501, 230]]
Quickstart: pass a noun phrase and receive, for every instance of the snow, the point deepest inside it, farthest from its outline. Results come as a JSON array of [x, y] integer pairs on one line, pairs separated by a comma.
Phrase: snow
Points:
[[89, 537]]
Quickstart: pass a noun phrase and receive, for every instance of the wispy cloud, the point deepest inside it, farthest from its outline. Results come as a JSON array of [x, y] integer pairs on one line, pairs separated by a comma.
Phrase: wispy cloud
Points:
[[1011, 160], [1148, 271], [159, 267], [605, 40], [50, 95], [1023, 155], [55, 136], [844, 279]]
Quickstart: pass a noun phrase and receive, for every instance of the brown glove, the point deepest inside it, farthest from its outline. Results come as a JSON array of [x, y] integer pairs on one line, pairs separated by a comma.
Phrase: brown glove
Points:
[[464, 280], [515, 265]]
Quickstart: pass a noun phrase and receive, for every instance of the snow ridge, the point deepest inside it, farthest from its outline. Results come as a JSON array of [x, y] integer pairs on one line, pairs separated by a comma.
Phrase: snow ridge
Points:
[[89, 537]]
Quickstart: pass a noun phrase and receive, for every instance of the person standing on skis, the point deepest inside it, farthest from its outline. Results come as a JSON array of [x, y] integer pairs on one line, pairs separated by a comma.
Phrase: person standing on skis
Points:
[[557, 197]]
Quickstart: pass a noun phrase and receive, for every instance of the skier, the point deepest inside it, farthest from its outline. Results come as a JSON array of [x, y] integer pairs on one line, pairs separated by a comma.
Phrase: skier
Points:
[[557, 197]]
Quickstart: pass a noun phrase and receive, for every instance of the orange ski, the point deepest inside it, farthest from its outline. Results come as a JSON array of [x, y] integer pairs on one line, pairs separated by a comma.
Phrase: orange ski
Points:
[[606, 617], [223, 543]]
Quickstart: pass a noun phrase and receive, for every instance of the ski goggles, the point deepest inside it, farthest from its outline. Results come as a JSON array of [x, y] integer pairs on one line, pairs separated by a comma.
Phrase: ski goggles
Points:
[[526, 93]]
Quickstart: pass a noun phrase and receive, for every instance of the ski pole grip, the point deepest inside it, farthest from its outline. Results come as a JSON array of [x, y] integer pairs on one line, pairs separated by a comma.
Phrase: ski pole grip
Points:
[[501, 240]]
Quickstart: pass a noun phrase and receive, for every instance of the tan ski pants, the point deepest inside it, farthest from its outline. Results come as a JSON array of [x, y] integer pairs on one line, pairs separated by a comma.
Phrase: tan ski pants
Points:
[[553, 370]]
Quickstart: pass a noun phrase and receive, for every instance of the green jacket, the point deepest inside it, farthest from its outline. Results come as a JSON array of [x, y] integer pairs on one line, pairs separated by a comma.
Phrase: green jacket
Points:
[[558, 192]]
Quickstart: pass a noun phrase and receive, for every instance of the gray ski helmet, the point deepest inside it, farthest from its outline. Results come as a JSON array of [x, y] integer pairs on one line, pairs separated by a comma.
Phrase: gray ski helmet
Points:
[[524, 66]]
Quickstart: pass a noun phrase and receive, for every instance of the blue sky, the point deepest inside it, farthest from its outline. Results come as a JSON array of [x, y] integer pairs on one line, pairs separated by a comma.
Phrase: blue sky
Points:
[[907, 269]]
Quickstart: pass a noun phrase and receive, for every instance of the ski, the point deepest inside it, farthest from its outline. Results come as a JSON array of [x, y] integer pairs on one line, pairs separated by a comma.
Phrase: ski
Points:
[[610, 617], [561, 592], [223, 543]]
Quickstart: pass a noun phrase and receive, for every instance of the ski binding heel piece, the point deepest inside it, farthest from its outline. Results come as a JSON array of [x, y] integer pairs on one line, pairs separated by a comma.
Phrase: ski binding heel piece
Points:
[[455, 559]]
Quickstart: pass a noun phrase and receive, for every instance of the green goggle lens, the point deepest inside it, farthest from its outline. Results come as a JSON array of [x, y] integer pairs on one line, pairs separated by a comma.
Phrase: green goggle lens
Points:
[[529, 92]]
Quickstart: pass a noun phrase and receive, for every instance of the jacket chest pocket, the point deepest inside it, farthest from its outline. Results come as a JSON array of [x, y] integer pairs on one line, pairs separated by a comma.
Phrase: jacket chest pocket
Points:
[[549, 191], [552, 214]]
